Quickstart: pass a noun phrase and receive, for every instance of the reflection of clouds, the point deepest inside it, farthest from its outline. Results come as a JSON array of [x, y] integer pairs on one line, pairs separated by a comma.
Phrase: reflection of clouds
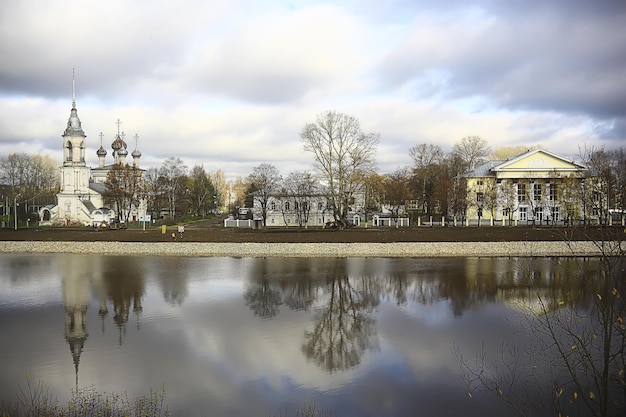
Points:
[[251, 349], [28, 282], [435, 313], [426, 347], [212, 349]]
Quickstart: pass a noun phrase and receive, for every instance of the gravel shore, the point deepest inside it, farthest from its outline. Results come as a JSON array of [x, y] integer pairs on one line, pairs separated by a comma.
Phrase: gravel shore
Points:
[[281, 250]]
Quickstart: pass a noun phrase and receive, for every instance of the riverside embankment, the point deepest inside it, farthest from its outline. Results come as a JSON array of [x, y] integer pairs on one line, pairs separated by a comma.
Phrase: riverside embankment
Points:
[[256, 249]]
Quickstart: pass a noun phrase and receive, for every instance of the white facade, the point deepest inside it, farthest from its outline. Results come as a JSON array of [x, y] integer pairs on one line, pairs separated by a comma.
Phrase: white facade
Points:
[[307, 211], [80, 198]]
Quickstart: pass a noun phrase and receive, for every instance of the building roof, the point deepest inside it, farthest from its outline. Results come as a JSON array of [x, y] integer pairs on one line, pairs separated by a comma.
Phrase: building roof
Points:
[[534, 160], [98, 187], [88, 205], [484, 170]]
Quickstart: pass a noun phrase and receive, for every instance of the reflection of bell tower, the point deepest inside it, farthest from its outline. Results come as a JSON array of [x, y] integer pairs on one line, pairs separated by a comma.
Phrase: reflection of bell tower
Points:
[[76, 296], [76, 332]]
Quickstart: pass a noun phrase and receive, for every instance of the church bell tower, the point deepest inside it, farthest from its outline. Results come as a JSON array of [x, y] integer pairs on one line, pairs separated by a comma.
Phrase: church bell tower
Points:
[[75, 173]]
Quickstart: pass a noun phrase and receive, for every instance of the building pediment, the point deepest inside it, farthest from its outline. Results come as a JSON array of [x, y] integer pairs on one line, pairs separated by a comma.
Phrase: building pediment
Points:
[[539, 160]]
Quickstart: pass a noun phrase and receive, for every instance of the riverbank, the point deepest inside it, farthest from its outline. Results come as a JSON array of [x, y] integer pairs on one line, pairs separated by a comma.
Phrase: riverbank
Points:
[[280, 250], [206, 238]]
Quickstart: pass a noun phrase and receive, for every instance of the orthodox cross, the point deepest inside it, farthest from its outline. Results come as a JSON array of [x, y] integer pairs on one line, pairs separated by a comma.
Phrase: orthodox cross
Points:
[[73, 89]]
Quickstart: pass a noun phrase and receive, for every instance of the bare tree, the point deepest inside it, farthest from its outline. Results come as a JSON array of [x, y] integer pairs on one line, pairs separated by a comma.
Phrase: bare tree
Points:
[[506, 198], [505, 152], [236, 194], [455, 186], [484, 198], [29, 175], [472, 150], [154, 189], [264, 182], [173, 174], [301, 187], [374, 193], [619, 160], [32, 179], [397, 191], [124, 189], [343, 155], [201, 191], [221, 189], [427, 159]]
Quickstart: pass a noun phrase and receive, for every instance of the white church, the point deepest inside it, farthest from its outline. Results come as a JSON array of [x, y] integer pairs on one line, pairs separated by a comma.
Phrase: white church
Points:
[[80, 199]]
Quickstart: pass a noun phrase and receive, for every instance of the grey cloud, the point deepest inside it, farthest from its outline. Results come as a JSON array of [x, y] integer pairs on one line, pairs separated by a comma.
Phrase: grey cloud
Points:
[[111, 48], [260, 87], [541, 59], [613, 131]]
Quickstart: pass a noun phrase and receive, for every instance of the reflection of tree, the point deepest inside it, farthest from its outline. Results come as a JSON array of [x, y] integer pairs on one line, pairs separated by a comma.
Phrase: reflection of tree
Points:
[[263, 299], [299, 294], [575, 359], [174, 285], [344, 327], [125, 287]]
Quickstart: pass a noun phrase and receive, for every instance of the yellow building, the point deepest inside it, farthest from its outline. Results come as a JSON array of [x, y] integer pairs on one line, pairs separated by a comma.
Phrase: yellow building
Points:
[[537, 186]]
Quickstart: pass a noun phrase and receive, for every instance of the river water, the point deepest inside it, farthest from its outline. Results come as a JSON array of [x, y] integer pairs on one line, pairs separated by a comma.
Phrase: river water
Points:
[[263, 337]]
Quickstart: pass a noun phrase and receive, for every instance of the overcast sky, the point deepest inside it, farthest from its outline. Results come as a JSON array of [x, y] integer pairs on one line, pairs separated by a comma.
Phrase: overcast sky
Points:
[[230, 84]]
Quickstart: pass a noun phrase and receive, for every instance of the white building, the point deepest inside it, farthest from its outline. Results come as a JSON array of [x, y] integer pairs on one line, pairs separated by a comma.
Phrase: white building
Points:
[[305, 211], [80, 198]]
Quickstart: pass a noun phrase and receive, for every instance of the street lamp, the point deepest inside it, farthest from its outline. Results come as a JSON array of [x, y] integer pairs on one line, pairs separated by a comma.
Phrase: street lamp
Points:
[[15, 209]]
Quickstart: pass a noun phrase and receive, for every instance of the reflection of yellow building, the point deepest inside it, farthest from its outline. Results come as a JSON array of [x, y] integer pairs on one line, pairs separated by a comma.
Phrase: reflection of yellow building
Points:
[[537, 185]]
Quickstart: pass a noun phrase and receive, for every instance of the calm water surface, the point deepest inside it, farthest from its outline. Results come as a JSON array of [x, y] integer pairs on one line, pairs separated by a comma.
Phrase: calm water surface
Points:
[[262, 337]]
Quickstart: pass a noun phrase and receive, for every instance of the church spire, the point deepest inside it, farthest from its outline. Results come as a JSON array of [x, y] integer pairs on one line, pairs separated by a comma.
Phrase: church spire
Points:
[[73, 88], [73, 136]]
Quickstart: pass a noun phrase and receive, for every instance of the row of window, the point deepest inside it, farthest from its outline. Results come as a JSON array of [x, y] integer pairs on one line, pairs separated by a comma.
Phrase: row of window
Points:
[[554, 214], [304, 206], [289, 221], [537, 192], [521, 193]]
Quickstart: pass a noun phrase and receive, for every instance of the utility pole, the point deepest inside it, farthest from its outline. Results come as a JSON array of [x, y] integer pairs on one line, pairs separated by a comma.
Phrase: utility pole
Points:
[[15, 208]]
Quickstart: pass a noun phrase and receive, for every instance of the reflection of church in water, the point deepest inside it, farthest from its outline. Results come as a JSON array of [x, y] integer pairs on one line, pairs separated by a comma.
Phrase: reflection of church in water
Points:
[[122, 291]]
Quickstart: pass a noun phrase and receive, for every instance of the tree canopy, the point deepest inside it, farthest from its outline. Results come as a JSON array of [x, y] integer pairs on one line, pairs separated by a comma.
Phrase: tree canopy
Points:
[[343, 155]]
